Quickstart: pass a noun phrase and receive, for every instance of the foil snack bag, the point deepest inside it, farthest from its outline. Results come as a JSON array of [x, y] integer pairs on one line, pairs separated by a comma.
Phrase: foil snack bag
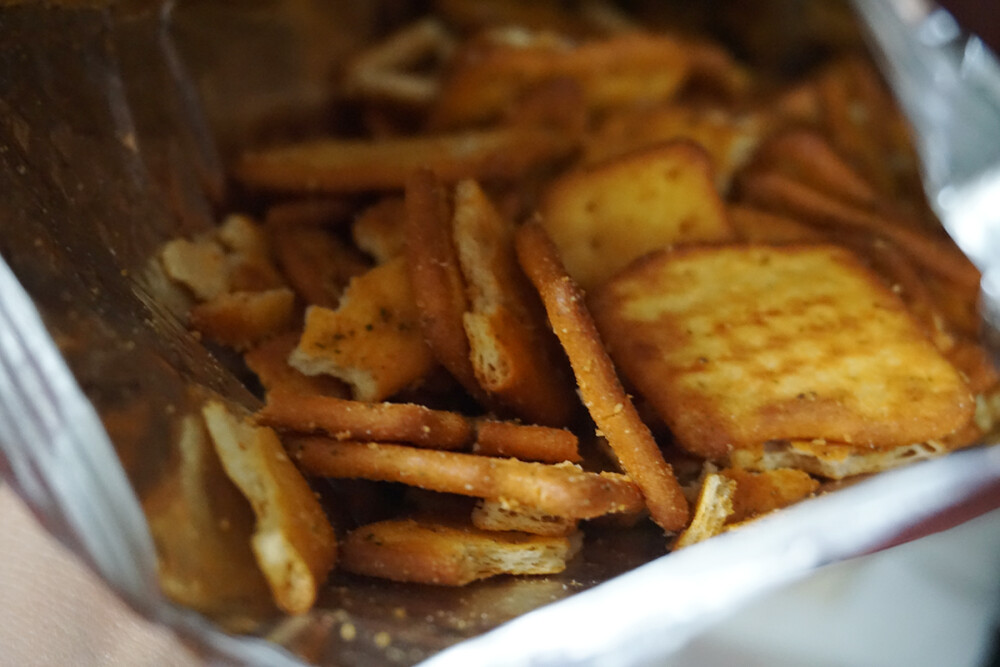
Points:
[[116, 124]]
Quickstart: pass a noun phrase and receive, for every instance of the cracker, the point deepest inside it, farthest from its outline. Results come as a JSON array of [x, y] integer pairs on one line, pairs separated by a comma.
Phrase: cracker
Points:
[[662, 195], [243, 319], [713, 507], [443, 555], [815, 344], [378, 230], [831, 460], [560, 490], [356, 420], [512, 352], [609, 406], [372, 341], [269, 362], [438, 286], [358, 165], [526, 442], [496, 515], [317, 264], [293, 540], [761, 492], [485, 77]]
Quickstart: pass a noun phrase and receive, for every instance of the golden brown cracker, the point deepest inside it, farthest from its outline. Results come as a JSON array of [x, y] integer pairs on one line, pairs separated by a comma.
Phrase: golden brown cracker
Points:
[[740, 345], [513, 354], [372, 341], [293, 540], [604, 216], [445, 555]]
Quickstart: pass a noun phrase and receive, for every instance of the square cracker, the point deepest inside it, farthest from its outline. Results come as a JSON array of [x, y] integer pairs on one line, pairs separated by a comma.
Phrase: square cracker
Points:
[[739, 345]]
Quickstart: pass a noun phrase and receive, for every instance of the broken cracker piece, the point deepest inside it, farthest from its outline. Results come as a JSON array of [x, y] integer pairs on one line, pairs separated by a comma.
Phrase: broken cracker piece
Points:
[[293, 540], [713, 507], [372, 341], [243, 319], [431, 553]]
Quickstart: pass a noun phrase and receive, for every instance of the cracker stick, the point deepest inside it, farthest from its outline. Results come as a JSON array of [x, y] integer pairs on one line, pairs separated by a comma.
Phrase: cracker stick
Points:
[[776, 191], [352, 165], [528, 443], [602, 393], [433, 553], [357, 420], [561, 490]]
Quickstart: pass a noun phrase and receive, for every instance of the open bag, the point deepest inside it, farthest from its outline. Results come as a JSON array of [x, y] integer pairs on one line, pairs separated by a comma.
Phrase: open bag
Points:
[[116, 121]]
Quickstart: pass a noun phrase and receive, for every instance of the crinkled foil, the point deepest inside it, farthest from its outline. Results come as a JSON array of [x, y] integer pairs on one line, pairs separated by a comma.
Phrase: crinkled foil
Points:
[[115, 123]]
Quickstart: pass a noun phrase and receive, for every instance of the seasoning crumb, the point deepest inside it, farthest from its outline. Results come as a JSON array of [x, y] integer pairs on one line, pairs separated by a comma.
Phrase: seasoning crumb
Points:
[[348, 632], [382, 639]]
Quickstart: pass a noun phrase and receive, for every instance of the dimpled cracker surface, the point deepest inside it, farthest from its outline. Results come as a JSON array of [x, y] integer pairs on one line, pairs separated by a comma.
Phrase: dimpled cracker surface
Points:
[[737, 345]]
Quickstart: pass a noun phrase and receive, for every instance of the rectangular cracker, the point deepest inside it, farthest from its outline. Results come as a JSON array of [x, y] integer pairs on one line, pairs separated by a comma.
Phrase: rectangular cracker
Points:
[[740, 345]]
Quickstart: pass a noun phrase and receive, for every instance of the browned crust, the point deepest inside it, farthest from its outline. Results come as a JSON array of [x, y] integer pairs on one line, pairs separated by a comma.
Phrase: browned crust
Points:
[[600, 388], [269, 361], [561, 490]]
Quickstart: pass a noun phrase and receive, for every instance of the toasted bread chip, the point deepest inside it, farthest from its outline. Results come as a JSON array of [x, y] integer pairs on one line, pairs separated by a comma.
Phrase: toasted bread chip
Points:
[[388, 70], [372, 341], [761, 492], [818, 347], [293, 540], [829, 459], [662, 195], [528, 443], [513, 354], [199, 265], [351, 165], [780, 193], [728, 139], [438, 287], [243, 319], [248, 256], [621, 70], [269, 361], [429, 553], [756, 226], [561, 490], [233, 258], [713, 507], [356, 420], [378, 230], [317, 264], [610, 407], [496, 515]]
